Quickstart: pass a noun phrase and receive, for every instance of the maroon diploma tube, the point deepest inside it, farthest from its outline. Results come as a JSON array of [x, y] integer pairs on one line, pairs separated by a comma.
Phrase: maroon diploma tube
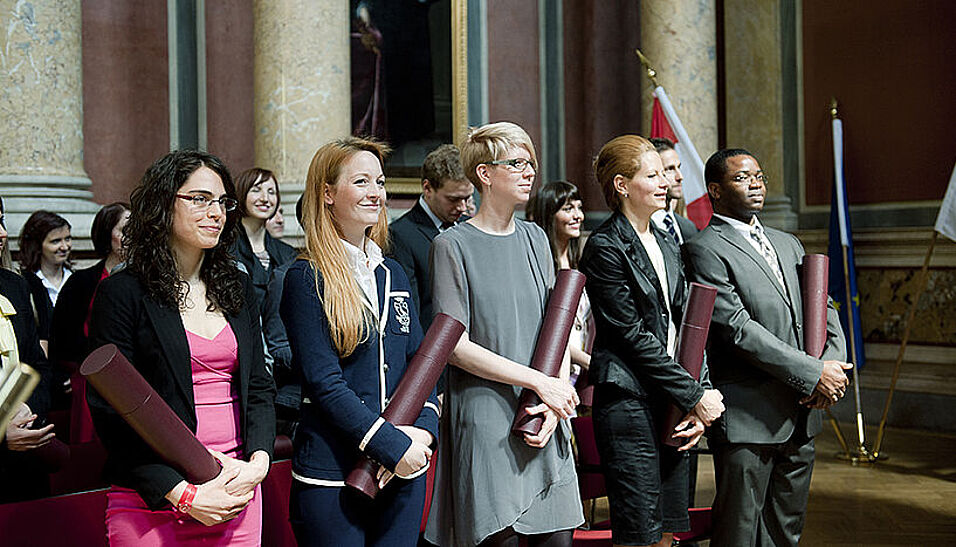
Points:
[[551, 343], [125, 389], [409, 397], [691, 343], [815, 283]]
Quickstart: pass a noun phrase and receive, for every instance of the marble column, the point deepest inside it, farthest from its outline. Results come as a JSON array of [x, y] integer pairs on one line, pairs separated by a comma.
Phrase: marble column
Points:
[[302, 87], [41, 112], [680, 40], [755, 97]]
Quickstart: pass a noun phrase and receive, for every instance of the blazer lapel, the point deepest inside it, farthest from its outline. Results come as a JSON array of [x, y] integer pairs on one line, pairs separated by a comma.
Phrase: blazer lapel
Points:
[[671, 262], [383, 279], [240, 331], [170, 331], [790, 277], [423, 221], [730, 234], [638, 255]]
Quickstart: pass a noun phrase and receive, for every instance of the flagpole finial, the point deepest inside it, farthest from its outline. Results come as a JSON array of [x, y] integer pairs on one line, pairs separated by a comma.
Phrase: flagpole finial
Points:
[[651, 73], [833, 107]]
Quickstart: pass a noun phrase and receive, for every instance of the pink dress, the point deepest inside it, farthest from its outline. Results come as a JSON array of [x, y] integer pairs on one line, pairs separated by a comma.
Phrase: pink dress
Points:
[[130, 522]]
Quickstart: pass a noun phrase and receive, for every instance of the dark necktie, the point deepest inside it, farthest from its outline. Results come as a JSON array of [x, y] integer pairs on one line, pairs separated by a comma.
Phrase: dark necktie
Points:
[[445, 226], [671, 229]]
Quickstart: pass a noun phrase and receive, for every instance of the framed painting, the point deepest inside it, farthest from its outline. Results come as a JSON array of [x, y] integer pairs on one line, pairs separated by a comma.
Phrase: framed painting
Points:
[[409, 80]]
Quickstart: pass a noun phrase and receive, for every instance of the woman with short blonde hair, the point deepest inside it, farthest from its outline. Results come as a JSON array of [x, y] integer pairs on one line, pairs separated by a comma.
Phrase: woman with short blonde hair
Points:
[[493, 273]]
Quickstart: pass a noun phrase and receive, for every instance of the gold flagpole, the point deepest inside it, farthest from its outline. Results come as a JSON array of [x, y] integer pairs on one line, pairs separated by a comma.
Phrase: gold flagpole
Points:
[[878, 447], [651, 73], [860, 455]]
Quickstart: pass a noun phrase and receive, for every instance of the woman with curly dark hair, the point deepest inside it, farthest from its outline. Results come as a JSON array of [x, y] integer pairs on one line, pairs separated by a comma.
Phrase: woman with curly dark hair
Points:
[[180, 312], [45, 245]]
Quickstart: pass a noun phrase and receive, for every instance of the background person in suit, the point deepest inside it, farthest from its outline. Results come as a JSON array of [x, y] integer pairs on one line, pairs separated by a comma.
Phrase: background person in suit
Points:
[[445, 193], [183, 315], [352, 330], [763, 444], [635, 280], [670, 219]]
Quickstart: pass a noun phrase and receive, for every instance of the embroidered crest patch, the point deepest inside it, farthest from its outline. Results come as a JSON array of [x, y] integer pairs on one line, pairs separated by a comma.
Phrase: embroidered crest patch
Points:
[[401, 314]]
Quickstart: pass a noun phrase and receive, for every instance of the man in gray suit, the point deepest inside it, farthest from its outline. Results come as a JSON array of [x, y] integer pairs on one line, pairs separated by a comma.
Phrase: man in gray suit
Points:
[[763, 444]]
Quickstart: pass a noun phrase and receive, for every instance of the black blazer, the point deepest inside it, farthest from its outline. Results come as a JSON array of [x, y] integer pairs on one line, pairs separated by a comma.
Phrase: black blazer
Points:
[[630, 312], [152, 337], [68, 344], [41, 304], [17, 291], [279, 253], [687, 228], [411, 240], [755, 348]]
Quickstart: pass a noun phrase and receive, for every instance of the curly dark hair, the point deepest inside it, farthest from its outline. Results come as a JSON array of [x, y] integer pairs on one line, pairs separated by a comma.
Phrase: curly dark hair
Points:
[[146, 237], [34, 231]]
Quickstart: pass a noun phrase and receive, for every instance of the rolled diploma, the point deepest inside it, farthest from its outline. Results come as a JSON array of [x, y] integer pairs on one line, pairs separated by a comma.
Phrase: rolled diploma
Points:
[[125, 389], [412, 391], [815, 283], [691, 343], [551, 344]]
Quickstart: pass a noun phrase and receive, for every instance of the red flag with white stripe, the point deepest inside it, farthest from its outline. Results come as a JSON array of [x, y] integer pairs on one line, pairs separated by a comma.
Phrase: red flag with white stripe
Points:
[[666, 124]]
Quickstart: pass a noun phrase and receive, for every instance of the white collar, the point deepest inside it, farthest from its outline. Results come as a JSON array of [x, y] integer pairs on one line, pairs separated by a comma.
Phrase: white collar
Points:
[[431, 214], [366, 260], [740, 226]]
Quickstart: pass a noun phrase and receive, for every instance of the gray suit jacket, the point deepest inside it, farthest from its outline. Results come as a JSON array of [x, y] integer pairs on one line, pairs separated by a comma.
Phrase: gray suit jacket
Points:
[[756, 352]]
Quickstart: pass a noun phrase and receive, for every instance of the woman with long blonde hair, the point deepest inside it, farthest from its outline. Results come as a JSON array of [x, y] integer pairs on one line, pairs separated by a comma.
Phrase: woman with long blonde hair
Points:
[[352, 329]]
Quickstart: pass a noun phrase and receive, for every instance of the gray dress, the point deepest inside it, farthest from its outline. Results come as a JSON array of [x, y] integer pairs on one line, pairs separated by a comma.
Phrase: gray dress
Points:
[[487, 478]]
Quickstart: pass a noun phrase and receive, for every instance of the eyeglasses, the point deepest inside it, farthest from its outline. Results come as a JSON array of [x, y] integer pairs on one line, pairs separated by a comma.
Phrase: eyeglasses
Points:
[[201, 202], [518, 165], [747, 176]]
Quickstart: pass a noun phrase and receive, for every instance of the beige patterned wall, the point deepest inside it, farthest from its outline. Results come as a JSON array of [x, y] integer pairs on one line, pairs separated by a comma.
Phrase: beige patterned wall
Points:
[[680, 40]]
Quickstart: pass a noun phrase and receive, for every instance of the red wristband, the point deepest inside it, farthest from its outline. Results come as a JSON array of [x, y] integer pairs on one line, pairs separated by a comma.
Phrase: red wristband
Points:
[[186, 500]]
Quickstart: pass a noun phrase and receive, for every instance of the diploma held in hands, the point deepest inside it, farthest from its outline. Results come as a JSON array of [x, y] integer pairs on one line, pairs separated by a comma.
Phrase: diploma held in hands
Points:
[[691, 343], [409, 397], [125, 389], [551, 344], [815, 283]]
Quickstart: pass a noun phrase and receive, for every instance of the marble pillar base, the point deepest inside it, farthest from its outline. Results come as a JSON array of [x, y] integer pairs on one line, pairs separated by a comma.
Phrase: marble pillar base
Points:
[[778, 212], [67, 196]]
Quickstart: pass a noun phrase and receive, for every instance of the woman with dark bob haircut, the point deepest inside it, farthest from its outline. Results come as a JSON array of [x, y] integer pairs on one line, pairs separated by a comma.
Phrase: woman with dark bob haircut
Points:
[[70, 329], [260, 253], [180, 313], [45, 245]]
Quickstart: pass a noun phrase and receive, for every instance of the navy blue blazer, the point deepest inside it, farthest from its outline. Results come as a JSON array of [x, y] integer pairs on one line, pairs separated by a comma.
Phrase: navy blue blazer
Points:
[[343, 398]]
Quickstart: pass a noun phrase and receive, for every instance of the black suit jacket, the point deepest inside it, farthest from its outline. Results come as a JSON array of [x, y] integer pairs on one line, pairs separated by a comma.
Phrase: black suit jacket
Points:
[[151, 335], [755, 347], [630, 312], [411, 240], [17, 291], [68, 343], [687, 228], [279, 253], [22, 475]]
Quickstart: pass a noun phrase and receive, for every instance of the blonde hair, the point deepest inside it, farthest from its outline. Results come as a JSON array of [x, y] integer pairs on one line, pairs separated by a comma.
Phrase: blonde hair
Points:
[[620, 156], [488, 143], [350, 321]]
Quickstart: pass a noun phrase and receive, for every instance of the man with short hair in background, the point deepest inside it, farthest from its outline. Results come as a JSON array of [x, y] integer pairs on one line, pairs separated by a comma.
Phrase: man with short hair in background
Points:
[[668, 218], [445, 193]]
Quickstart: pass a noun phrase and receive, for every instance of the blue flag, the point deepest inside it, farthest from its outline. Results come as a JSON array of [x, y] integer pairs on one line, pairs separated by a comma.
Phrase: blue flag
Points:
[[842, 271]]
